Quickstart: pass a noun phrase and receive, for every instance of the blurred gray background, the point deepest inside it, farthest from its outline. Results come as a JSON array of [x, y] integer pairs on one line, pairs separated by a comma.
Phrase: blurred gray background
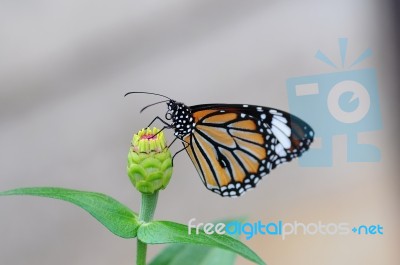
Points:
[[65, 66]]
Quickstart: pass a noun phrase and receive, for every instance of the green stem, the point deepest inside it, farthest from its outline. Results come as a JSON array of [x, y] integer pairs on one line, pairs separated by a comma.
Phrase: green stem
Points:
[[147, 208], [141, 253], [149, 204]]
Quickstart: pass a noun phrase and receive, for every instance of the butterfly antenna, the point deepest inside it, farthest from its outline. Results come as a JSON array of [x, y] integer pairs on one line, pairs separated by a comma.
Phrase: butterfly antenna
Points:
[[153, 105], [149, 93]]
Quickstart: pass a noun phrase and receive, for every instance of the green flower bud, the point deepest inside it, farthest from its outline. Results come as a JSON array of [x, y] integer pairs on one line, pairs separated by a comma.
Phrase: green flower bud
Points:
[[149, 161]]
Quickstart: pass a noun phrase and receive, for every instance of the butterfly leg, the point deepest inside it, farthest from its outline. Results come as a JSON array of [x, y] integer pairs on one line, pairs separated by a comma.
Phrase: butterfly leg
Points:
[[163, 128], [158, 118], [186, 145], [173, 157], [172, 142]]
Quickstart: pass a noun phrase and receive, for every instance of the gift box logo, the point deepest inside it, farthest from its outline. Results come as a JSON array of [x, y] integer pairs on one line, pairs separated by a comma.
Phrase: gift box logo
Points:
[[344, 102]]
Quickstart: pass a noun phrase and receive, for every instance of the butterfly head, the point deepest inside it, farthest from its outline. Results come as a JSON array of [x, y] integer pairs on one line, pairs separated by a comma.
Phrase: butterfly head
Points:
[[181, 116]]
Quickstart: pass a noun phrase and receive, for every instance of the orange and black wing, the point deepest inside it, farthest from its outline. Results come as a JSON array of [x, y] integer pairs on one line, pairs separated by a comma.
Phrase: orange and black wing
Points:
[[234, 146]]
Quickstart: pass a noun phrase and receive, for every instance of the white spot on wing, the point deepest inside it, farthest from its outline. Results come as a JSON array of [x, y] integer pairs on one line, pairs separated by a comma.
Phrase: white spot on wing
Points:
[[280, 150], [281, 118], [282, 138], [281, 126]]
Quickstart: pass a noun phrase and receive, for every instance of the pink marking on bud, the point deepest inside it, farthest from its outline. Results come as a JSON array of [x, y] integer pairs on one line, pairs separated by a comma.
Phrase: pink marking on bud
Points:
[[148, 137]]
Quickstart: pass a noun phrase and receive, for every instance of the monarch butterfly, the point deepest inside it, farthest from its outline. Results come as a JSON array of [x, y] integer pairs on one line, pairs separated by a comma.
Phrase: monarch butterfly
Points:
[[233, 146]]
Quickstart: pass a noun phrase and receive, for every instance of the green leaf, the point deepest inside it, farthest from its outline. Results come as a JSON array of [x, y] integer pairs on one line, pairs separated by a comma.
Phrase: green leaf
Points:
[[179, 254], [115, 216], [161, 232]]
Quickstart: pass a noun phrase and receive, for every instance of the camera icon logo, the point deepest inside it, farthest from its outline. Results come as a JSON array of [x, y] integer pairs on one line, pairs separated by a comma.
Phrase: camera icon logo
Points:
[[358, 92], [340, 103]]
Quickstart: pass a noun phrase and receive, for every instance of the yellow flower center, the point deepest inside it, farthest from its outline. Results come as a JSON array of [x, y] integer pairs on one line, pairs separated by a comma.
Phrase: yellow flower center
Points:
[[147, 140]]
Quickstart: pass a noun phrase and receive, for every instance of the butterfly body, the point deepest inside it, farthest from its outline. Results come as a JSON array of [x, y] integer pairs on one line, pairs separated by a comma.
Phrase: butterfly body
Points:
[[182, 118], [233, 146]]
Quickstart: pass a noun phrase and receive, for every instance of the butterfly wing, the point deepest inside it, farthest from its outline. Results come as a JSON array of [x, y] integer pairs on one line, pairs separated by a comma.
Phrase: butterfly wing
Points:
[[234, 146]]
